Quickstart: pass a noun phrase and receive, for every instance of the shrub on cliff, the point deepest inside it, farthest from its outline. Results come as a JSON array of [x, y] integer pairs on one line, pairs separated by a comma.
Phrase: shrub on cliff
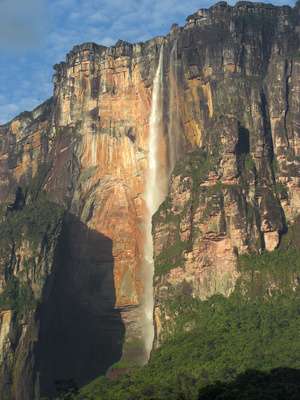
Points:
[[17, 296], [32, 222], [24, 236]]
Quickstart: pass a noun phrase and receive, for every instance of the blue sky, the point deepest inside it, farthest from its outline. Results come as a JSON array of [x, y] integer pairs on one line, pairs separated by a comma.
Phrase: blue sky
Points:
[[36, 34]]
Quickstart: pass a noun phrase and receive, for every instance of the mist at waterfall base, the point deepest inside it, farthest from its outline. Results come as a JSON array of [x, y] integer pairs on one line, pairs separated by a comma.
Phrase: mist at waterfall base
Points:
[[163, 151]]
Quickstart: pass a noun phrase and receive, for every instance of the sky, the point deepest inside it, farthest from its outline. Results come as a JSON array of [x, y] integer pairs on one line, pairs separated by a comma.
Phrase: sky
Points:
[[36, 34]]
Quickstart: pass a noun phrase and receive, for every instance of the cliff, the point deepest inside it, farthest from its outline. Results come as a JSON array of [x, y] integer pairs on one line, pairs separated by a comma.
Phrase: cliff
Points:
[[239, 191], [229, 131]]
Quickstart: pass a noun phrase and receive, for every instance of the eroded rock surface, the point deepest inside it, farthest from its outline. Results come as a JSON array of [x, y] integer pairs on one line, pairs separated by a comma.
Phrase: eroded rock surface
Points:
[[239, 193], [231, 79]]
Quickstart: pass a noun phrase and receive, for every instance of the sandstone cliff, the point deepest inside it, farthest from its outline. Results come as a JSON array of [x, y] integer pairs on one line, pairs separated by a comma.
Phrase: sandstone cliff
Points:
[[239, 192], [230, 106]]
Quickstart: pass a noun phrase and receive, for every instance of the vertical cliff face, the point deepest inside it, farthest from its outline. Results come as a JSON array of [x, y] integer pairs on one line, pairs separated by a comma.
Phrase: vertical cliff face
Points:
[[228, 127], [86, 150], [28, 240], [240, 190]]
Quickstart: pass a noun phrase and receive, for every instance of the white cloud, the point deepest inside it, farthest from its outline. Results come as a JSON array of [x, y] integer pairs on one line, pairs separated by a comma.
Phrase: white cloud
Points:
[[108, 41]]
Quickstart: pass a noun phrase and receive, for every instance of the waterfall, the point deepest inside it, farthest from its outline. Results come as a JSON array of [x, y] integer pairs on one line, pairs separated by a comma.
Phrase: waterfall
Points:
[[156, 187], [163, 152]]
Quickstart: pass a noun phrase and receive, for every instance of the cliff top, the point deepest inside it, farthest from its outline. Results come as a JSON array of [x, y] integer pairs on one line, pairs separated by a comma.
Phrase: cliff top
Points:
[[215, 12], [219, 12]]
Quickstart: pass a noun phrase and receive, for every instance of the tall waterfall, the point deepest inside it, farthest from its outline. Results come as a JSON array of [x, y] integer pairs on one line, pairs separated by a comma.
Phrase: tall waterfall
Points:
[[156, 187], [163, 152]]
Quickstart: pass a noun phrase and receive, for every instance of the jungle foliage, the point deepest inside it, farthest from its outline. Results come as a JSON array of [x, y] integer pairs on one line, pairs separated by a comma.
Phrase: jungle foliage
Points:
[[243, 347]]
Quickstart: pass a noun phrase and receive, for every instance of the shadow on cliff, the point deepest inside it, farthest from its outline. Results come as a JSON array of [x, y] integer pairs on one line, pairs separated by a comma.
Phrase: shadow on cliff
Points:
[[278, 384], [81, 333]]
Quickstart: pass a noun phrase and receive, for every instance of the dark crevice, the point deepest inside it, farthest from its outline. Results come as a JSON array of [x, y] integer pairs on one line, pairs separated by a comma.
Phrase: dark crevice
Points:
[[243, 144], [19, 202], [131, 135], [287, 74], [242, 148], [267, 127], [258, 225], [242, 58], [268, 171]]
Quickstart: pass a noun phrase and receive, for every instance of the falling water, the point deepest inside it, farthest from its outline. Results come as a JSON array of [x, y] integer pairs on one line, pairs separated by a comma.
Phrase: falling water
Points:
[[162, 157], [154, 195]]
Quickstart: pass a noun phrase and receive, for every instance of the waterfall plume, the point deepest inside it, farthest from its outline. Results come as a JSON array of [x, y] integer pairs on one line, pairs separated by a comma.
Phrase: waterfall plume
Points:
[[156, 187]]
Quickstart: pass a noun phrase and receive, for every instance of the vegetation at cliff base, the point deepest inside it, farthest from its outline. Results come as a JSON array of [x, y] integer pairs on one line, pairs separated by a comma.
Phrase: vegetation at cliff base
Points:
[[214, 341], [243, 347]]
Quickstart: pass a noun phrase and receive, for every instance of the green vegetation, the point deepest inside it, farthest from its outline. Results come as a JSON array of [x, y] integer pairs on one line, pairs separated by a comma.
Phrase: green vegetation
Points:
[[275, 165], [31, 223], [291, 240], [196, 164], [32, 227], [86, 174], [133, 354], [35, 186], [227, 339], [279, 384], [249, 162], [172, 257], [225, 348], [269, 273], [281, 190], [17, 296], [277, 262]]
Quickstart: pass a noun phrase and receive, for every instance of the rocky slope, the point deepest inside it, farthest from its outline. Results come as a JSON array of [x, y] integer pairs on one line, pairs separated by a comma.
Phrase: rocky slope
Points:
[[231, 80]]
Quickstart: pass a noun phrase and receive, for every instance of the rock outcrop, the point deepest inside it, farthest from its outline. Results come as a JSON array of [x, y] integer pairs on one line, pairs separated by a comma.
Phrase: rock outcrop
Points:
[[239, 192], [231, 98]]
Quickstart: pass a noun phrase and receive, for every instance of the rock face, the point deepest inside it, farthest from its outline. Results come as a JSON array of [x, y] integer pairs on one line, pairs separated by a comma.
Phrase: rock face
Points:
[[28, 240], [231, 99], [240, 190]]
